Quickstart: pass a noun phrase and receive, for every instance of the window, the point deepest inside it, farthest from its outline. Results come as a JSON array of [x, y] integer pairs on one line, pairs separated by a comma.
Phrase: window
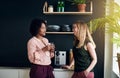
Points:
[[115, 51]]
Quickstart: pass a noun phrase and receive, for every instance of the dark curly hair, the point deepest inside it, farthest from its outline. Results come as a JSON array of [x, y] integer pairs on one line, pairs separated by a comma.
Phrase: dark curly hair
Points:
[[35, 25]]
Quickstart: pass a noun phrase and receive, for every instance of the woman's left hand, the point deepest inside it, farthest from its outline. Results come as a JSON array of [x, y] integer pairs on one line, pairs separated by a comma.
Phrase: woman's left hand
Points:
[[51, 54], [86, 73]]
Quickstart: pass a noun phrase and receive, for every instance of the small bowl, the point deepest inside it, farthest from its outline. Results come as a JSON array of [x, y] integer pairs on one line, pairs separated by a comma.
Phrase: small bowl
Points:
[[53, 28]]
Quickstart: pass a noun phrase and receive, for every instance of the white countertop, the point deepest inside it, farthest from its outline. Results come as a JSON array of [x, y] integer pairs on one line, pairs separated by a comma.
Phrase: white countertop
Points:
[[55, 69], [60, 69]]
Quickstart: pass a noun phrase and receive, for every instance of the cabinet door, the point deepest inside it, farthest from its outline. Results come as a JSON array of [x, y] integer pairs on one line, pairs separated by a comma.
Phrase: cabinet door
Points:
[[24, 73], [8, 73], [63, 74]]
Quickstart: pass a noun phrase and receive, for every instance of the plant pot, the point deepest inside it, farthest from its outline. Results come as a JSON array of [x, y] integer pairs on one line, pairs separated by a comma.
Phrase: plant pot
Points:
[[118, 58], [81, 7]]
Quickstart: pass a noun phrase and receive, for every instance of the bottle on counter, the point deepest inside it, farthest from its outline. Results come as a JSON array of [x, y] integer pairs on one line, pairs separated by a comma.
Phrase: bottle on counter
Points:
[[62, 6], [59, 6]]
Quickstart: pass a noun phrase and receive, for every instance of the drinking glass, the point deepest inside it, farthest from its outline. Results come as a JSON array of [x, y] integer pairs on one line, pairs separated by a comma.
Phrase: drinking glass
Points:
[[52, 46]]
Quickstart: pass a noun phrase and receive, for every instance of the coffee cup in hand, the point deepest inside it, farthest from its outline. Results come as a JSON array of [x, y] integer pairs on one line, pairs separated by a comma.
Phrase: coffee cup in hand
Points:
[[52, 47]]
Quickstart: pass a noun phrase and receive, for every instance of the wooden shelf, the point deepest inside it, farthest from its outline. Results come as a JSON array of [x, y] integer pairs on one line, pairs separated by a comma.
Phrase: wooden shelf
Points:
[[70, 13], [59, 32]]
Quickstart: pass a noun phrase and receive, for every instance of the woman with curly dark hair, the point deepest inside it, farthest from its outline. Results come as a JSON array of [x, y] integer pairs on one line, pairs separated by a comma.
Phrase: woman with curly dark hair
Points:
[[40, 51]]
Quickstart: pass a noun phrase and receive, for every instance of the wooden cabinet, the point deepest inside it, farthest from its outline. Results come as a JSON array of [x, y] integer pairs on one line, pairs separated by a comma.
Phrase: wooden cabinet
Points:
[[24, 73], [8, 73], [14, 73], [63, 73]]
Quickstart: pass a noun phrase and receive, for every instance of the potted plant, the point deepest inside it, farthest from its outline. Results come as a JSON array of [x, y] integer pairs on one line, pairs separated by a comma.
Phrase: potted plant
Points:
[[113, 21], [81, 4], [113, 24]]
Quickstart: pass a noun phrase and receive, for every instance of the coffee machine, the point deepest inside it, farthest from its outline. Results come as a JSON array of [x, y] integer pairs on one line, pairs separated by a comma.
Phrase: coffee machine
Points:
[[60, 58]]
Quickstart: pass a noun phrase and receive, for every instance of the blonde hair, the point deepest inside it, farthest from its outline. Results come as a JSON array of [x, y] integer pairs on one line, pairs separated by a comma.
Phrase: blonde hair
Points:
[[82, 34]]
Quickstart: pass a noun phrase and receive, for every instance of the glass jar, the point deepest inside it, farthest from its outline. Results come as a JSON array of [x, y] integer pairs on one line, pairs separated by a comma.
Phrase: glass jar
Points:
[[50, 8]]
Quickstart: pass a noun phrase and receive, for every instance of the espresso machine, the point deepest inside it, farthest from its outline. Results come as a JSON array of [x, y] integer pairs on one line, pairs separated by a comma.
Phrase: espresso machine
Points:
[[60, 58]]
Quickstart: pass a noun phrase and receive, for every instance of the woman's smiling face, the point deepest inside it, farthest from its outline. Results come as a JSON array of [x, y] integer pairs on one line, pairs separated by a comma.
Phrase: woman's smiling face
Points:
[[74, 29], [42, 30]]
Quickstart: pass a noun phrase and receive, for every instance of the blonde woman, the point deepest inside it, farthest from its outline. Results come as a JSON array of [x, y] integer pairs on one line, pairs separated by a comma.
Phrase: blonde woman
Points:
[[84, 55]]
